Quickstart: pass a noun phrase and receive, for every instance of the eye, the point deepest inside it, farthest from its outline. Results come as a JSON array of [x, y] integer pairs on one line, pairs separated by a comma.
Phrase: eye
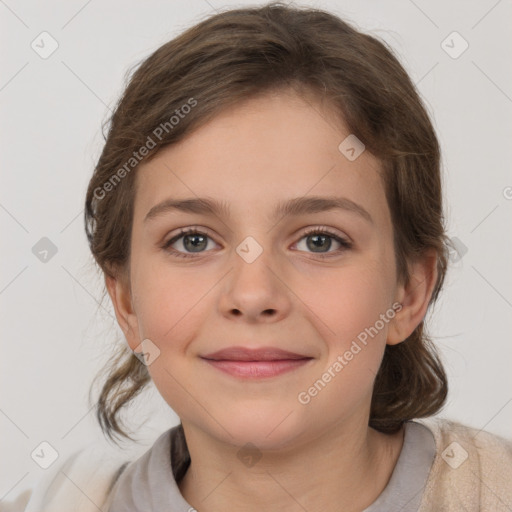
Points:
[[191, 239], [320, 238], [194, 241]]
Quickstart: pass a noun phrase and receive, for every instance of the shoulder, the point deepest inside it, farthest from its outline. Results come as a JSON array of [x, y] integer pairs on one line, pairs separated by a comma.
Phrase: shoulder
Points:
[[464, 440], [80, 482], [471, 467], [19, 503]]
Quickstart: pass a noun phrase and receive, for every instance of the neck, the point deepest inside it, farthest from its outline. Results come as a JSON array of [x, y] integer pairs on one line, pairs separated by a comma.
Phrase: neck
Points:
[[343, 469]]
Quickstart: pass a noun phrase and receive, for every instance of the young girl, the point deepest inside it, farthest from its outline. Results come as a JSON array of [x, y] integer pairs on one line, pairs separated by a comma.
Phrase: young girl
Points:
[[267, 212]]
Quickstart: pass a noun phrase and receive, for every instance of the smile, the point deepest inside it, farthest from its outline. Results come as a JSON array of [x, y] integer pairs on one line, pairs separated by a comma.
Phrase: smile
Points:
[[258, 369]]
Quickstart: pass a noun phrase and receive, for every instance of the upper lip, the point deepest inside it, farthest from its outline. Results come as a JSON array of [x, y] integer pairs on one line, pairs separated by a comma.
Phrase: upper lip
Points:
[[258, 354]]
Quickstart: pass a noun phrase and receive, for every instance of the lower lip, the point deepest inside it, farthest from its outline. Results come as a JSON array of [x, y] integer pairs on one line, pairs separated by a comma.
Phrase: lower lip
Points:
[[258, 369]]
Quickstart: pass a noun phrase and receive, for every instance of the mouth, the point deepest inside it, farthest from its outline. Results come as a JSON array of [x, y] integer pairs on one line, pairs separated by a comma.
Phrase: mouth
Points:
[[256, 363], [254, 354]]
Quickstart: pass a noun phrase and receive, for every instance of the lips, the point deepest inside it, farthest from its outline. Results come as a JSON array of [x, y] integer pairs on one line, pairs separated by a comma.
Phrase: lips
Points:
[[258, 354]]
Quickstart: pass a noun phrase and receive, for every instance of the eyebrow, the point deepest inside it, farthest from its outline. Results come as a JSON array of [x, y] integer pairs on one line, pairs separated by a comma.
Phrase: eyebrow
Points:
[[291, 207]]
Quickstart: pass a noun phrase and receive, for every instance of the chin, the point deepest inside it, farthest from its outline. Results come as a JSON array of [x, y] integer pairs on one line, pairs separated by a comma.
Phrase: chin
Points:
[[267, 431]]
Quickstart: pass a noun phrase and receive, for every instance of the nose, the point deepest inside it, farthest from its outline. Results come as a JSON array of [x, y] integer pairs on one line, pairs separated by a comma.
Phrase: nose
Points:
[[254, 290]]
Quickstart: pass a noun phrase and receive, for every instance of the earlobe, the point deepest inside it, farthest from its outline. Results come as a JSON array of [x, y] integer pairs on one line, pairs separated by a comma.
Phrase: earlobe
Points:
[[120, 295], [415, 297]]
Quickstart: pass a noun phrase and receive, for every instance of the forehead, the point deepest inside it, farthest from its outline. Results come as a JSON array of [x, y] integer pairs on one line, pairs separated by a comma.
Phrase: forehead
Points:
[[254, 154]]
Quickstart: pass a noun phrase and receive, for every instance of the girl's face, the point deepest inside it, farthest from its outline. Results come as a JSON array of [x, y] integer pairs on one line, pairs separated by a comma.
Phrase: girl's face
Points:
[[253, 276]]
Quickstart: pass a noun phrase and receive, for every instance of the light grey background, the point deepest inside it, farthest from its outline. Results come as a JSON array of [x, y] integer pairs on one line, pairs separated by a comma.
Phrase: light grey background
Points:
[[55, 336]]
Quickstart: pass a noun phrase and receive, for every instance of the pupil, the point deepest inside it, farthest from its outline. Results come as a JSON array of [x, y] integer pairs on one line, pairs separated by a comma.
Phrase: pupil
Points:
[[194, 244], [316, 238]]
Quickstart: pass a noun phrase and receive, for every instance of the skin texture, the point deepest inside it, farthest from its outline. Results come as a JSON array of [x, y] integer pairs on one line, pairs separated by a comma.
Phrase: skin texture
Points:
[[321, 455]]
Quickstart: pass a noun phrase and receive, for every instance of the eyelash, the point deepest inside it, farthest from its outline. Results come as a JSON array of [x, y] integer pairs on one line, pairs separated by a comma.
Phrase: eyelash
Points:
[[345, 244]]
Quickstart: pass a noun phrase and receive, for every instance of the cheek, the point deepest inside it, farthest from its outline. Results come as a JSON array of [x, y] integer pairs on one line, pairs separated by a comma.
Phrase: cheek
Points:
[[172, 308], [349, 300], [348, 308], [169, 302], [352, 311]]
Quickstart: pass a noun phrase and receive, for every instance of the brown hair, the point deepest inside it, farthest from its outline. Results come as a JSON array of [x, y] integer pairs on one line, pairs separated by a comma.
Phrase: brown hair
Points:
[[236, 55]]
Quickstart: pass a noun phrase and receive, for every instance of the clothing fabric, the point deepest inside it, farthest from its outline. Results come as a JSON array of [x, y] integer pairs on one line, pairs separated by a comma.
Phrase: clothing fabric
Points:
[[405, 487], [464, 469], [151, 484]]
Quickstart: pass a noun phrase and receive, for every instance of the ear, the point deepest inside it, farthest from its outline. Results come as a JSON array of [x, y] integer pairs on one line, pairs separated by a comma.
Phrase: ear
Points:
[[120, 294], [414, 297]]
